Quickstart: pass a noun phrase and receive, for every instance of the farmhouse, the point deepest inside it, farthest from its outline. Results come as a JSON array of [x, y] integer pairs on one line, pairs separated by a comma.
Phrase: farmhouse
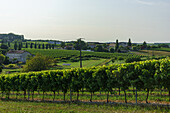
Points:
[[20, 55], [112, 45]]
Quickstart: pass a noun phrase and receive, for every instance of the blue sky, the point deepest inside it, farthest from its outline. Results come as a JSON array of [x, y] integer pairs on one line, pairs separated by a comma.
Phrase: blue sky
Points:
[[95, 20]]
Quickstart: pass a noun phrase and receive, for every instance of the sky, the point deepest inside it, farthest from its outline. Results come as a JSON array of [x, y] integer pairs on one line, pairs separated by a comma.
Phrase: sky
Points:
[[93, 20]]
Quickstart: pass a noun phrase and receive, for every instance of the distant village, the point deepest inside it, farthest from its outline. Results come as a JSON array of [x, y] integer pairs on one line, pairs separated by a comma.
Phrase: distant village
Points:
[[13, 45]]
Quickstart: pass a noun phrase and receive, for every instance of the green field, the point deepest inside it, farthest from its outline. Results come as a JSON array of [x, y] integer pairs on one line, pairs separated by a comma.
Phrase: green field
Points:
[[161, 49], [86, 63], [152, 52], [58, 53]]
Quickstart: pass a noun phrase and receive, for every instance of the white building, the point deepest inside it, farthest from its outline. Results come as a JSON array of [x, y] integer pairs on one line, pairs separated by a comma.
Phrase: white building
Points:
[[20, 55]]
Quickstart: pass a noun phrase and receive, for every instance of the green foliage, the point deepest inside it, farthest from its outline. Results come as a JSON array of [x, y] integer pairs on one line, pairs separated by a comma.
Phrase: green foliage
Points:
[[74, 59], [144, 75], [4, 46], [35, 46], [78, 43], [31, 46], [129, 42], [47, 46], [57, 53], [112, 50], [132, 59], [117, 45], [113, 60], [2, 58], [42, 46], [63, 44], [9, 45], [120, 58], [6, 61], [38, 63], [11, 65], [15, 45], [26, 45], [144, 44], [99, 48], [20, 46]]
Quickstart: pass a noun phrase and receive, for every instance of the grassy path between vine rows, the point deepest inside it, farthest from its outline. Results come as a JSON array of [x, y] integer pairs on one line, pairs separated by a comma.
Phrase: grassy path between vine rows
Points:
[[41, 107]]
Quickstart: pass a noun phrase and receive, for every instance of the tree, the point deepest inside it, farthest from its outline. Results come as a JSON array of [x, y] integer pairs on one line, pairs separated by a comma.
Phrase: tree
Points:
[[3, 46], [39, 46], [2, 58], [144, 43], [62, 44], [31, 45], [26, 45], [53, 46], [112, 50], [46, 46], [104, 45], [49, 46], [15, 45], [99, 48], [42, 46], [9, 44], [78, 43], [38, 63], [129, 42], [117, 45], [35, 46], [19, 46], [6, 60]]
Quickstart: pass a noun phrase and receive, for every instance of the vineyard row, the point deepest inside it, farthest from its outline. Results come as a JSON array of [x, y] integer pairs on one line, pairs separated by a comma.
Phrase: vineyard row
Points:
[[144, 75]]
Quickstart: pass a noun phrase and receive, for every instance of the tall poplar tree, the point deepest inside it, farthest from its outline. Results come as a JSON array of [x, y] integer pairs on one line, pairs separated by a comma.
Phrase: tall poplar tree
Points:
[[26, 45], [15, 45], [35, 46], [19, 46], [129, 42], [43, 46], [117, 45]]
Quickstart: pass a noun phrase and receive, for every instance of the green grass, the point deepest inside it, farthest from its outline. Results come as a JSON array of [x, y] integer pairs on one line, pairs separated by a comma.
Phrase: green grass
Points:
[[86, 63], [40, 107], [152, 52], [13, 105], [161, 49], [117, 62], [5, 71], [58, 53], [154, 97]]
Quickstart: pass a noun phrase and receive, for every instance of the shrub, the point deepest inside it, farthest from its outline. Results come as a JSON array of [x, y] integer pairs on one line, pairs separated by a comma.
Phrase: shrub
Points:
[[37, 63], [113, 60], [11, 65], [74, 59], [120, 58], [132, 59], [2, 58]]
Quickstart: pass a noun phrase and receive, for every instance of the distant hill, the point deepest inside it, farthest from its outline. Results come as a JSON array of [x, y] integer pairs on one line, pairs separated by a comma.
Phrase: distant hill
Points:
[[11, 37]]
